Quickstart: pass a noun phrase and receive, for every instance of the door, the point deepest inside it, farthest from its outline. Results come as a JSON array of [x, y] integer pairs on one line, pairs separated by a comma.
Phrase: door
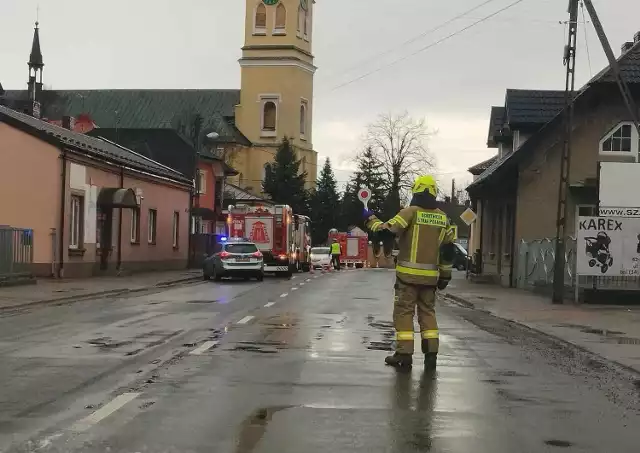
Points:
[[104, 234]]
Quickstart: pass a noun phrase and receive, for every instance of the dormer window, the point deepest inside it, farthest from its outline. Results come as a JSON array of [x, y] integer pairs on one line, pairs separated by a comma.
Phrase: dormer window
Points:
[[621, 140]]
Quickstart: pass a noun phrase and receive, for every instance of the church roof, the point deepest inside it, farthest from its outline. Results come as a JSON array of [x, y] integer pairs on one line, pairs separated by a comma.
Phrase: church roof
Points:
[[145, 108]]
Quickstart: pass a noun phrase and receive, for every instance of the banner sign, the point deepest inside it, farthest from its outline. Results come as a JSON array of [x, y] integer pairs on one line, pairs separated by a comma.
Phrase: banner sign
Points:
[[608, 246]]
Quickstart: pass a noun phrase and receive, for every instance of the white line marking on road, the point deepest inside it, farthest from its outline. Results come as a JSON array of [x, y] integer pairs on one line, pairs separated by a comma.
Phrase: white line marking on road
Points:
[[294, 276], [104, 411], [284, 295], [204, 347], [308, 280], [246, 319], [315, 276], [294, 289], [270, 304], [302, 284]]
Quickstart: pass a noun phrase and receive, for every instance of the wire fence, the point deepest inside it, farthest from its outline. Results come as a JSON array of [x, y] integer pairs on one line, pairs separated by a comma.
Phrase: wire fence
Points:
[[16, 251], [536, 260]]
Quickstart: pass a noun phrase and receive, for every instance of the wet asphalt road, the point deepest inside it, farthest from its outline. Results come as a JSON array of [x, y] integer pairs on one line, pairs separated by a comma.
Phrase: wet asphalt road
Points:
[[296, 366]]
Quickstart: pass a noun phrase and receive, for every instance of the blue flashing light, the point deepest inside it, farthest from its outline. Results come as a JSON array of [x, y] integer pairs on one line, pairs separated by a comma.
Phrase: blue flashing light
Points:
[[223, 239]]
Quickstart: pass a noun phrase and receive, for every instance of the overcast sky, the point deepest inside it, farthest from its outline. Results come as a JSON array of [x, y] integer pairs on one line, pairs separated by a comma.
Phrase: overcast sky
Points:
[[196, 44]]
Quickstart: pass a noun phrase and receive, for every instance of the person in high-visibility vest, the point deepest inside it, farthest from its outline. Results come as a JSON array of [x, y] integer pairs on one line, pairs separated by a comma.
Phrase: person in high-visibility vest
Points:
[[335, 254], [425, 259]]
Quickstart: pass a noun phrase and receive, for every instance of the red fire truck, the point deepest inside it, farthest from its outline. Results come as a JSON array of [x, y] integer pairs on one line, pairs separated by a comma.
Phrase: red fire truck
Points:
[[354, 248], [278, 233]]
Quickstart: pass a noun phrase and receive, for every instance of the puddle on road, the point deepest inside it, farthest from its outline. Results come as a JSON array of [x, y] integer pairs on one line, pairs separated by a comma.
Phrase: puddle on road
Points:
[[203, 301], [255, 426], [108, 343], [558, 443]]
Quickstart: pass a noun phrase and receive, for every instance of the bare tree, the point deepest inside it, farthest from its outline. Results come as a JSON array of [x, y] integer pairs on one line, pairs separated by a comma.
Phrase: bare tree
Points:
[[400, 145]]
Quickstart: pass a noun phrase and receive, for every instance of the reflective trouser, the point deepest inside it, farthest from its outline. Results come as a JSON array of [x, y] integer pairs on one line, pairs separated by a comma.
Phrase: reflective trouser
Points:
[[407, 299]]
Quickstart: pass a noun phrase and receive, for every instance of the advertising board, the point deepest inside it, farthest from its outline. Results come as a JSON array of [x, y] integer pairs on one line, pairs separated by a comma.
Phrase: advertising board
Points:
[[608, 246], [619, 188]]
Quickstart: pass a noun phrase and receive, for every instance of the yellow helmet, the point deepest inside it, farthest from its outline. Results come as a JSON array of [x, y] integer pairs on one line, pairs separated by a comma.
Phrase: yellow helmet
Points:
[[426, 182]]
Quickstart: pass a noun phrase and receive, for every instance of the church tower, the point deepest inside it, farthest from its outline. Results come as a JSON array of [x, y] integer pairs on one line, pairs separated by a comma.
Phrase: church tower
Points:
[[276, 97], [36, 65]]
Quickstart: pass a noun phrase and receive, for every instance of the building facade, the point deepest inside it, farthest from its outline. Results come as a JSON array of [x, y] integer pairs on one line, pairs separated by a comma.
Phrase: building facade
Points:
[[516, 197], [93, 207]]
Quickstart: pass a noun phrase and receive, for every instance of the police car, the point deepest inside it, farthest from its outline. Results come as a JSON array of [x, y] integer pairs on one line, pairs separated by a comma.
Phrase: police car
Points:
[[235, 257]]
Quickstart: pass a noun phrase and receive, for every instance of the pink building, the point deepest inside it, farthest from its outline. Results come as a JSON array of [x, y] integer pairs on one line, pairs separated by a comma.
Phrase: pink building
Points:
[[94, 207]]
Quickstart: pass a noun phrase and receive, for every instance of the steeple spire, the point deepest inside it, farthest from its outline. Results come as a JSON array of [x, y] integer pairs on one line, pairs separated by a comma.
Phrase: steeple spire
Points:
[[35, 59]]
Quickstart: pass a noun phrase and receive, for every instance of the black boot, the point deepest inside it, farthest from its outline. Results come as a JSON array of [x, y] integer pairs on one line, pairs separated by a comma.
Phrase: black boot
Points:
[[399, 360], [430, 361]]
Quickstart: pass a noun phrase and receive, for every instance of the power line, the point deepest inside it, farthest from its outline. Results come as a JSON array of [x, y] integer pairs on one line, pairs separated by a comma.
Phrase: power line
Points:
[[415, 38], [433, 44]]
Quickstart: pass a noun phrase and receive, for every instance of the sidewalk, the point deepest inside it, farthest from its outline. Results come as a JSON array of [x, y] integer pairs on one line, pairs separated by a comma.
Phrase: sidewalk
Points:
[[612, 332], [46, 291]]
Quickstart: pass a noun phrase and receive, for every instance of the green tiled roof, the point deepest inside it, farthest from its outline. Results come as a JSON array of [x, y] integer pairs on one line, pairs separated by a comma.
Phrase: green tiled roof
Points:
[[146, 109]]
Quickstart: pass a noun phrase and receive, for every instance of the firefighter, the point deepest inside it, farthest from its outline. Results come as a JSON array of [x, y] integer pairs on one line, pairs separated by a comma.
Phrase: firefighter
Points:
[[335, 254], [425, 259]]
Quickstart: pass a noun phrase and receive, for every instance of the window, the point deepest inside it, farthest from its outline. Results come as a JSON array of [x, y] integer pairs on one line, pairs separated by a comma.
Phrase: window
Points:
[[241, 248], [302, 22], [135, 226], [202, 182], [269, 116], [176, 229], [204, 227], [77, 222], [307, 24], [587, 210], [281, 19], [261, 18], [619, 141], [303, 119], [153, 225]]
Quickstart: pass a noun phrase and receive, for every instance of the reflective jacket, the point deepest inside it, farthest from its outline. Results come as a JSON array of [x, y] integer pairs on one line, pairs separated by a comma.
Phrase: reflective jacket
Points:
[[425, 238], [335, 248]]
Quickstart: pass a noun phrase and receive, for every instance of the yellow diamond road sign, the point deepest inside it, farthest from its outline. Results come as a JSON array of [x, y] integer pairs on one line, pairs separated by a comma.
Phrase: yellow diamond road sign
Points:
[[468, 216]]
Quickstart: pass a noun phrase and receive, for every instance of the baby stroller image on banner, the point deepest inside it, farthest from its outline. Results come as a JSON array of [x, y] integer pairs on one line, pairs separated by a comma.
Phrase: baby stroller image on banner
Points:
[[608, 246]]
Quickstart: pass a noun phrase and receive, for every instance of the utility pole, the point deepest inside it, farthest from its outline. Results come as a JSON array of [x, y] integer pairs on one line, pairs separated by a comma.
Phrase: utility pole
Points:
[[565, 162], [453, 192]]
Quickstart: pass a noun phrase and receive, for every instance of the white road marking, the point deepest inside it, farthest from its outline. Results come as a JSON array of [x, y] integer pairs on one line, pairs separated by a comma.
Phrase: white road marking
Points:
[[104, 411], [294, 276], [315, 276], [270, 304], [204, 347], [284, 295], [302, 284], [294, 289], [308, 280], [245, 320]]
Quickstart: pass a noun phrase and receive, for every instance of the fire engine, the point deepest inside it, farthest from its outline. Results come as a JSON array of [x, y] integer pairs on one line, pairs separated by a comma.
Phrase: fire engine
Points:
[[281, 235], [355, 248]]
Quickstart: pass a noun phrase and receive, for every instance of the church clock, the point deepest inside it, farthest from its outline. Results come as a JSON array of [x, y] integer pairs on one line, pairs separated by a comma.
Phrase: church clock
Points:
[[270, 2]]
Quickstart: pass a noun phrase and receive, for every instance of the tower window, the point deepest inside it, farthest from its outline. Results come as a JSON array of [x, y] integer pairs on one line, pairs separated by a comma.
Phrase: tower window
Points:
[[302, 18], [269, 117], [281, 19], [303, 119], [261, 18]]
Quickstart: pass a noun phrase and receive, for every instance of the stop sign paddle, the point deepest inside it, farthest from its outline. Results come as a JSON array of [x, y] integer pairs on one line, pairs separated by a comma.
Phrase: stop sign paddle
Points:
[[364, 195]]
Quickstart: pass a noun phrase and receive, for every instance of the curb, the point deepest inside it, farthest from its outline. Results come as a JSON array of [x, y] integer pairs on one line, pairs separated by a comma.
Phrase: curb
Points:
[[98, 294], [460, 301]]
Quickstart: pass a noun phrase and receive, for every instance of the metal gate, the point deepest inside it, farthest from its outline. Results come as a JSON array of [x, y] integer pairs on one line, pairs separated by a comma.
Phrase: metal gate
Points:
[[16, 251]]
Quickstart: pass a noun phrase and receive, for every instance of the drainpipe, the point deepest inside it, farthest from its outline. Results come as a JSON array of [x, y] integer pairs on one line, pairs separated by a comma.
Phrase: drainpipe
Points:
[[63, 202], [119, 265]]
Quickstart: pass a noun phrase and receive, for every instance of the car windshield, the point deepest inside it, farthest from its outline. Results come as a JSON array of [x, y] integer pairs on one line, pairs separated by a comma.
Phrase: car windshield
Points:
[[461, 249], [320, 250], [241, 248]]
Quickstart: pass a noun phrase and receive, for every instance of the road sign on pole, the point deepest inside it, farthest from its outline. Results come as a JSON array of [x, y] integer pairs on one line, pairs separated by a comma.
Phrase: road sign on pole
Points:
[[468, 216]]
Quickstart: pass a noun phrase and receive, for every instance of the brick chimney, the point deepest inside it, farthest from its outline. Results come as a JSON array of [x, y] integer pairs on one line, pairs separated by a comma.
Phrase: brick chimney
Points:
[[627, 46], [67, 122]]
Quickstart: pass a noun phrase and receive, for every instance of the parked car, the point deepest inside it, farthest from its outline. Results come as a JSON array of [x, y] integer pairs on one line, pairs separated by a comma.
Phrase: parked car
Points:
[[461, 258], [320, 257], [234, 258]]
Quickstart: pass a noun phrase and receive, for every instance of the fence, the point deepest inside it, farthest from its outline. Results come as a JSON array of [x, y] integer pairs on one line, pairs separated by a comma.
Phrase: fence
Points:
[[536, 259], [16, 251]]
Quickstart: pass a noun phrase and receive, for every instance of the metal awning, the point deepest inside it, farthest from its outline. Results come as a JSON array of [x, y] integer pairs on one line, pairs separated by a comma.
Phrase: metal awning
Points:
[[204, 213], [117, 198]]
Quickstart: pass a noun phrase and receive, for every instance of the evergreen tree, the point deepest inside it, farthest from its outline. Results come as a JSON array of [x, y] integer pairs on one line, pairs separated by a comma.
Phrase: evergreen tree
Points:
[[283, 180], [325, 205], [371, 174]]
